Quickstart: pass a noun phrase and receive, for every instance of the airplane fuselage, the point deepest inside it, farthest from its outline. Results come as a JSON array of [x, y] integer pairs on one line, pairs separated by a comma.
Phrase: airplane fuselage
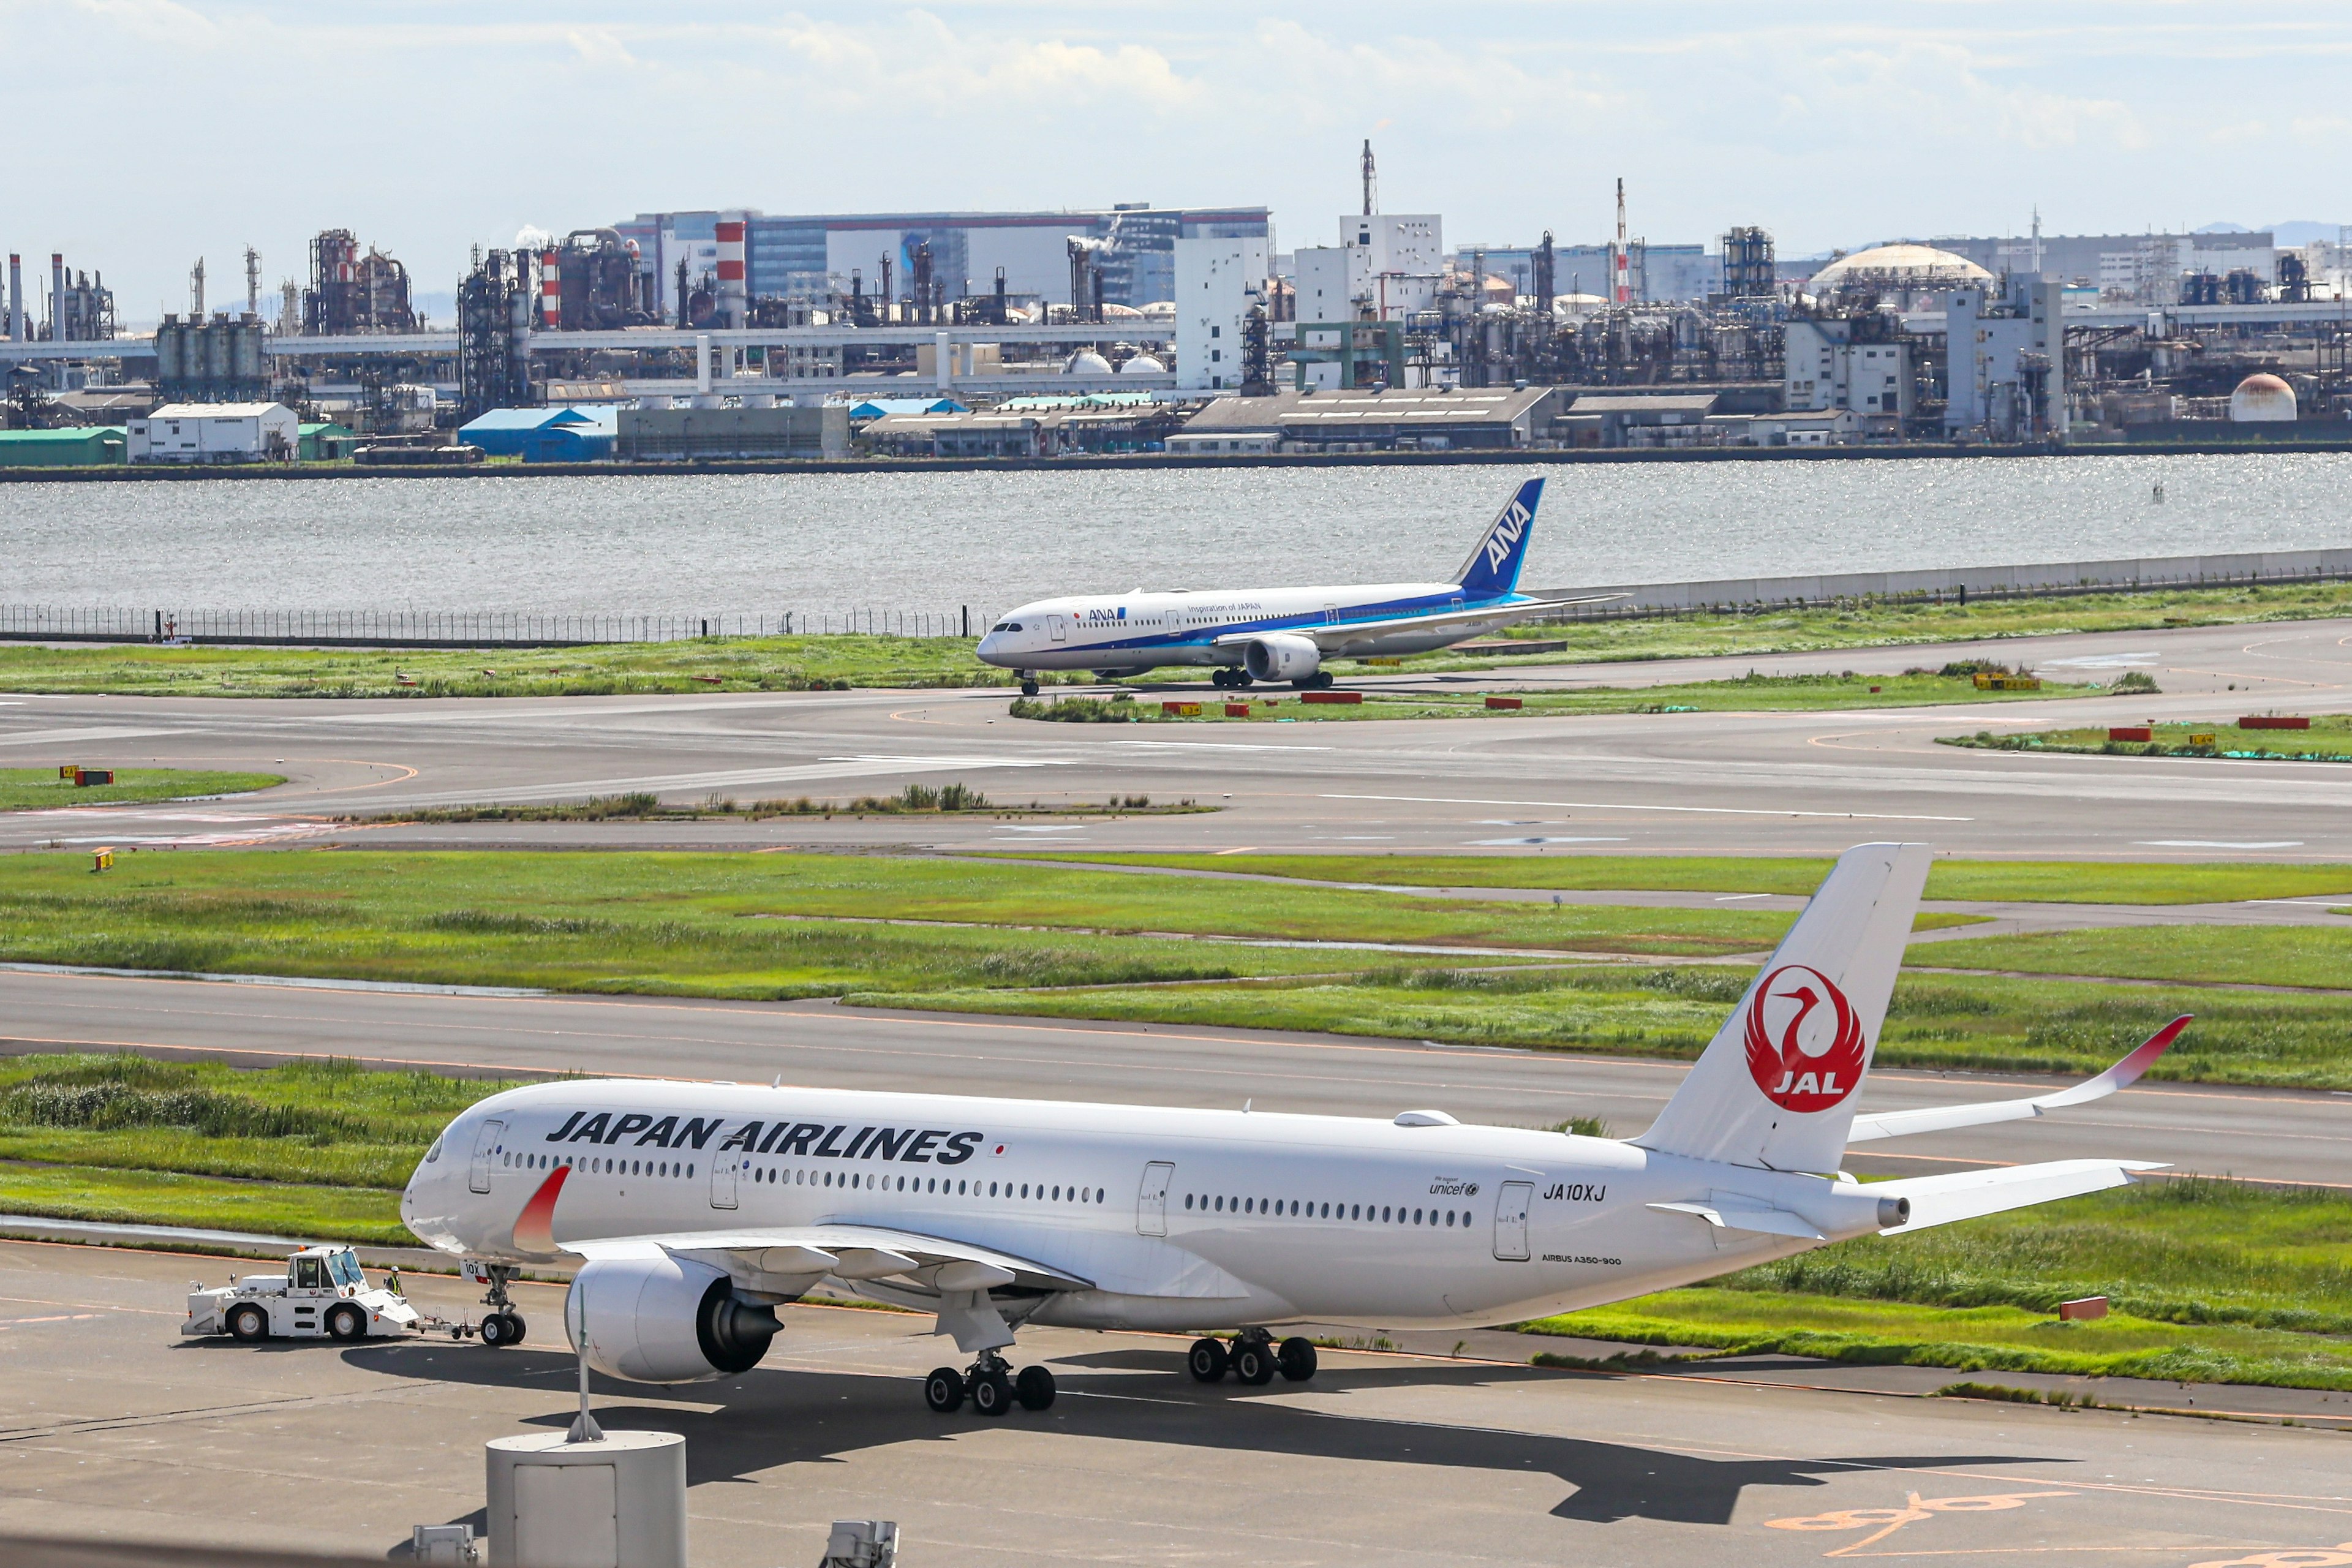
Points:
[[1178, 1219], [1145, 631]]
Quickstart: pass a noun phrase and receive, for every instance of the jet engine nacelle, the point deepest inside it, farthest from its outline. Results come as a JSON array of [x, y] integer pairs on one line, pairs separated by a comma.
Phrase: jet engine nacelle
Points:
[[1282, 656], [664, 1320]]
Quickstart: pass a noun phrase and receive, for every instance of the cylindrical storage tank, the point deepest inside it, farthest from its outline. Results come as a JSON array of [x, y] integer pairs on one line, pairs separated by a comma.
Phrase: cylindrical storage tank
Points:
[[247, 362], [616, 1502], [167, 352], [734, 290], [2262, 399]]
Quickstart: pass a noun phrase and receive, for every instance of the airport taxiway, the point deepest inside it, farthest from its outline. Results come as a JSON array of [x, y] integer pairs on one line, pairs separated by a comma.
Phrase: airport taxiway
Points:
[[1695, 783], [112, 1427]]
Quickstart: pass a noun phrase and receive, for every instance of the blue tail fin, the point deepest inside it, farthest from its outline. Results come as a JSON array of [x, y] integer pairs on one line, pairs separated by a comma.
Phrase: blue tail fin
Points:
[[1493, 569]]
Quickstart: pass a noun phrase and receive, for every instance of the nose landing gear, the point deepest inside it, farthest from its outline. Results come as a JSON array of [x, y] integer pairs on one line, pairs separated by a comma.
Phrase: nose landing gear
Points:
[[990, 1388], [501, 1325]]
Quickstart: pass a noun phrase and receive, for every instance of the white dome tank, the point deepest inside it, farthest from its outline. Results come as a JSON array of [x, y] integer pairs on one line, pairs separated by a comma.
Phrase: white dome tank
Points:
[[2262, 399], [1143, 365], [1085, 361]]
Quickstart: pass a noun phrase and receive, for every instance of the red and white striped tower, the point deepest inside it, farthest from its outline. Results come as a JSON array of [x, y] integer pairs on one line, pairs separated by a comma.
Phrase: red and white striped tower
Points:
[[1625, 294], [551, 288], [734, 294]]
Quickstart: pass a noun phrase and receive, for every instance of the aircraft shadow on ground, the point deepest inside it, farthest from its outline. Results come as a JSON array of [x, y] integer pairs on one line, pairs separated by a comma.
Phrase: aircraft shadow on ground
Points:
[[773, 1418]]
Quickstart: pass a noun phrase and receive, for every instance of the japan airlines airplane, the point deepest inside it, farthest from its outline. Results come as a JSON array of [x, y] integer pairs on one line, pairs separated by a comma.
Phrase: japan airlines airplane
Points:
[[1278, 634], [694, 1210]]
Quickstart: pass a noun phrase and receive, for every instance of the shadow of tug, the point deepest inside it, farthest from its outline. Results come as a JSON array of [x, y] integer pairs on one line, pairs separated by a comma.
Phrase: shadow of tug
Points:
[[774, 1418]]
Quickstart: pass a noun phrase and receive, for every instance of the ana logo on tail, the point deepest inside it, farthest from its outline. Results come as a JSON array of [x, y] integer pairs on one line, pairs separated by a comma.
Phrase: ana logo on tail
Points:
[[1804, 1044], [1506, 534]]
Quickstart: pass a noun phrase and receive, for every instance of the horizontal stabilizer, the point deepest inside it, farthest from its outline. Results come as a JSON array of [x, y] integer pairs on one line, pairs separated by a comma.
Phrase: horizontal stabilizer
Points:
[[1968, 1194], [1942, 1117]]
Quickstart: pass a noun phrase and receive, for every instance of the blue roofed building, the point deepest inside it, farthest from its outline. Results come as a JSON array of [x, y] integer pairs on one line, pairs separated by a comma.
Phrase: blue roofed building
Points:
[[581, 434]]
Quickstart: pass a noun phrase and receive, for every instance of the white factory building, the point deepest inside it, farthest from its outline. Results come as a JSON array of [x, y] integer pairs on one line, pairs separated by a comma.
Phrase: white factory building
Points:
[[1218, 283], [1385, 265], [215, 433]]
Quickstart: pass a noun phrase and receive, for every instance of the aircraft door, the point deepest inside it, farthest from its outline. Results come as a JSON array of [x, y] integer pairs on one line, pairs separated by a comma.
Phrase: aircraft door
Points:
[[1331, 614], [486, 1143], [724, 1169], [1152, 1199], [1511, 1206], [1058, 627]]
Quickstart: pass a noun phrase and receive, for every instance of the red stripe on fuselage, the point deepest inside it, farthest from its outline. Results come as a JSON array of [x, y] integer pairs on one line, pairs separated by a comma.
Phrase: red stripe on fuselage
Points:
[[534, 1228]]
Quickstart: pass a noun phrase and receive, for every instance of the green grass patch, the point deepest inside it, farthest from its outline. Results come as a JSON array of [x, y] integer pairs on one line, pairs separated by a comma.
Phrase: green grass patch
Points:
[[1878, 622], [707, 664], [43, 789], [311, 1149], [2329, 740], [1953, 1023], [2316, 956], [2025, 881], [755, 925], [1747, 694], [2209, 1281]]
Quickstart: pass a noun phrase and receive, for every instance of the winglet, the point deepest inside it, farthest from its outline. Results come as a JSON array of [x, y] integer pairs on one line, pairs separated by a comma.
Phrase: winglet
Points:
[[2125, 1073], [1493, 569], [534, 1228]]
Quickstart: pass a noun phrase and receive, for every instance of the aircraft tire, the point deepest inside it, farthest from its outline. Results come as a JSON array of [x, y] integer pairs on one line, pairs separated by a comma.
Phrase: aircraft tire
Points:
[[1207, 1360], [1295, 1358], [1252, 1362], [943, 1391], [514, 1327], [1035, 1388], [346, 1323], [991, 1394], [1028, 688], [493, 1330], [248, 1323]]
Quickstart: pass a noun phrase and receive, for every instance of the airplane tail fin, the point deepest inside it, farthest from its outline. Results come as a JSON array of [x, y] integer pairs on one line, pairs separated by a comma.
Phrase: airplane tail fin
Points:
[[1493, 569], [1776, 1088]]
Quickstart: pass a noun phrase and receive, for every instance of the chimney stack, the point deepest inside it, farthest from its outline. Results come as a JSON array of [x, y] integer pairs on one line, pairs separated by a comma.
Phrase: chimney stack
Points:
[[734, 295]]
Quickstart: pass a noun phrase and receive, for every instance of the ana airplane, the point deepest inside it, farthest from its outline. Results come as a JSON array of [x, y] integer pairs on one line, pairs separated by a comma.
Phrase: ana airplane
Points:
[[694, 1210], [1278, 634]]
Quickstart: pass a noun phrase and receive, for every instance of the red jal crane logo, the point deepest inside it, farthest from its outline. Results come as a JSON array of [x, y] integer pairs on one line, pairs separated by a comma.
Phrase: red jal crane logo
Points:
[[1804, 1044]]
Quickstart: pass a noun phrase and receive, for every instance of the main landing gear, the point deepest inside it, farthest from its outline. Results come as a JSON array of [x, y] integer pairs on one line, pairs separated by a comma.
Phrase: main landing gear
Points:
[[1028, 686], [501, 1325], [1230, 680], [1253, 1358], [991, 1389], [1318, 681]]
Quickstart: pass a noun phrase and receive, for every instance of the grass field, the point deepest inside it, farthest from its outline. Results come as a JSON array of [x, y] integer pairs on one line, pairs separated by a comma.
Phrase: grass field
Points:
[[1749, 693], [800, 662], [2316, 956], [711, 664], [2030, 881], [43, 789], [310, 1149], [2329, 740], [2209, 1281], [754, 925], [1937, 1021]]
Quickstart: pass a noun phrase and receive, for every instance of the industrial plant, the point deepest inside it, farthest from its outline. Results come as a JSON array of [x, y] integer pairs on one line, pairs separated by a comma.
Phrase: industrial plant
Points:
[[736, 334]]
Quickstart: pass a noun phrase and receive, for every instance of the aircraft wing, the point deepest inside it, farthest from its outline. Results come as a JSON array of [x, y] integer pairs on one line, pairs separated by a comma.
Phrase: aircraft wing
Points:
[[1331, 638], [1938, 1118], [805, 1254]]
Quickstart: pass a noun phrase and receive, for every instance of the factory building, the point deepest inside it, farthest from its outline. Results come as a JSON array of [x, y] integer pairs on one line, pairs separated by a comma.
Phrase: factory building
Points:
[[2005, 368], [1861, 363], [71, 446], [2143, 268], [1386, 266], [1219, 282], [960, 255], [215, 433], [687, 434], [1378, 421]]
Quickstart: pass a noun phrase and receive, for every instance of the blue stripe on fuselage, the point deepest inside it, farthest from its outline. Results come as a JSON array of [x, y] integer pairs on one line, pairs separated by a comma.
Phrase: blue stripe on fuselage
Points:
[[1206, 637]]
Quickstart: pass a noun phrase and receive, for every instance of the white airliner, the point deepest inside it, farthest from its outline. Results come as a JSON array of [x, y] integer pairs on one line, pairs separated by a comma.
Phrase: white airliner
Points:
[[1278, 634], [696, 1209]]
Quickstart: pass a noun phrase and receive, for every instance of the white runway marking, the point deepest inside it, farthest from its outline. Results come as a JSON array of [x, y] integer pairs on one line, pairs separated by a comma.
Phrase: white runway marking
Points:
[[2219, 844], [1553, 840]]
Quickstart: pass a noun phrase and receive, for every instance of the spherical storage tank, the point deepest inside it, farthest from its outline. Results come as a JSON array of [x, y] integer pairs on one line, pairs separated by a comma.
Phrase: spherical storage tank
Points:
[[1085, 361], [1143, 365], [2262, 399]]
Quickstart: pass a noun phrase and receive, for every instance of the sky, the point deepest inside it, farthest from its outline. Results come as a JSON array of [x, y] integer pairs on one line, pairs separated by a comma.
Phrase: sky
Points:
[[174, 129]]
